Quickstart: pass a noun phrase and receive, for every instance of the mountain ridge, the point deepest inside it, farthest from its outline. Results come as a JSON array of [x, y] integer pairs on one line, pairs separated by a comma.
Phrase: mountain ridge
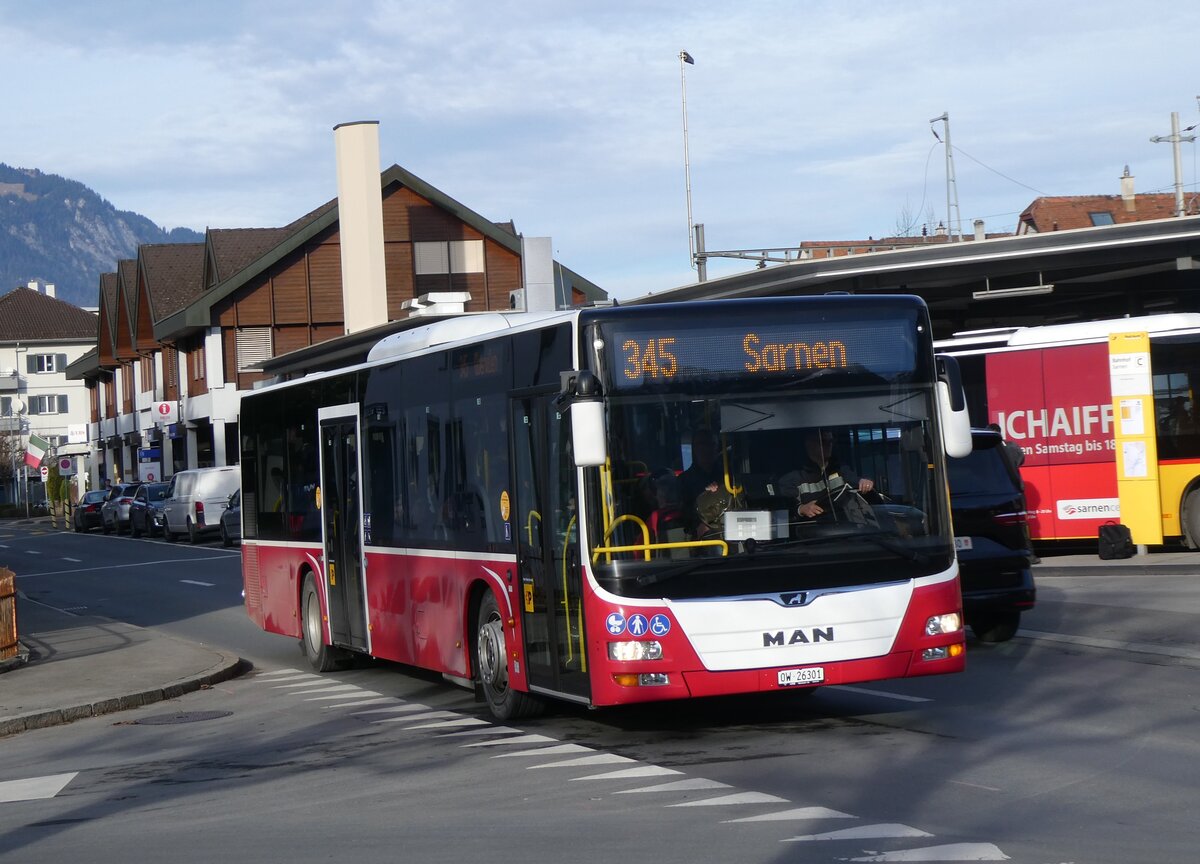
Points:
[[57, 230]]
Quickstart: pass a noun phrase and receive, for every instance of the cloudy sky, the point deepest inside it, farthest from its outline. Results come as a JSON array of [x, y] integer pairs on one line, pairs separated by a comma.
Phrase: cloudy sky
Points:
[[807, 120]]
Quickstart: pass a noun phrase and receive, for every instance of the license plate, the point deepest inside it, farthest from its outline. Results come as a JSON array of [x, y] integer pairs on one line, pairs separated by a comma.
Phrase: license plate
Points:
[[794, 677], [962, 543]]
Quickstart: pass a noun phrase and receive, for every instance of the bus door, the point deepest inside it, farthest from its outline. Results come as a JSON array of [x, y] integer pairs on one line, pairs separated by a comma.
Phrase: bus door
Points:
[[341, 518], [547, 529]]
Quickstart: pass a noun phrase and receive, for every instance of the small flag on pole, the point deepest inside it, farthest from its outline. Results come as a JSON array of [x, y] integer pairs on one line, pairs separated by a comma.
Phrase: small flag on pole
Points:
[[37, 449]]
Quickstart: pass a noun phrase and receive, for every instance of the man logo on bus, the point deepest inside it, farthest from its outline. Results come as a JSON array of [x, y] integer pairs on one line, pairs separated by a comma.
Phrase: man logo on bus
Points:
[[798, 637]]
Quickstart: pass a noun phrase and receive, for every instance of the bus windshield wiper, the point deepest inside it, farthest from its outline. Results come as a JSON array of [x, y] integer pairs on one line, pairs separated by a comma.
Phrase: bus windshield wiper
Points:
[[673, 572]]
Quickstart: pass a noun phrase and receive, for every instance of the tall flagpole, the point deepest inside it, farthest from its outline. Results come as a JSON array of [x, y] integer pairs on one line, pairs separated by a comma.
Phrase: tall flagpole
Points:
[[685, 59]]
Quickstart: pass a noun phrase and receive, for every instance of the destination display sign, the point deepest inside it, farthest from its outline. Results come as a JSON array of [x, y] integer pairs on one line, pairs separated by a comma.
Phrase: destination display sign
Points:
[[658, 355]]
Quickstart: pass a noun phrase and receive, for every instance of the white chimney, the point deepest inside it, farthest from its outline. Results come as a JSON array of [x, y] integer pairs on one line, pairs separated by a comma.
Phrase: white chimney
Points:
[[360, 225], [980, 234], [1127, 190], [50, 290], [537, 276], [34, 285]]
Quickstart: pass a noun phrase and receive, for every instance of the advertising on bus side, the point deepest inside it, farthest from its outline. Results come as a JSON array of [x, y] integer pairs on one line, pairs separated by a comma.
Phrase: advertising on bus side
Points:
[[1056, 404]]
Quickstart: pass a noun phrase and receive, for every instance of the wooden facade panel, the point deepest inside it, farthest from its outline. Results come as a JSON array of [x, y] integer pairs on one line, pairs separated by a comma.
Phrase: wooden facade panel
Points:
[[197, 385], [398, 269], [254, 304], [503, 274], [170, 372], [225, 312], [290, 338], [229, 353], [433, 223], [325, 283], [290, 287], [396, 226]]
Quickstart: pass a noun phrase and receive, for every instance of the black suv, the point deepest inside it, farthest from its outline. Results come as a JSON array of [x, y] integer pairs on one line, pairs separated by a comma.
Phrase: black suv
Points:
[[991, 536]]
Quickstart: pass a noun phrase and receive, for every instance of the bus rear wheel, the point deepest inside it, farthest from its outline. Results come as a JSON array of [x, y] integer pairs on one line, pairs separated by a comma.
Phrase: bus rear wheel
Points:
[[1191, 519], [322, 657], [491, 666]]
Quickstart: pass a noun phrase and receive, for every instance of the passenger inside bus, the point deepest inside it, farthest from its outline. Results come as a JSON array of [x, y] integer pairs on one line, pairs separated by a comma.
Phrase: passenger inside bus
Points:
[[705, 474]]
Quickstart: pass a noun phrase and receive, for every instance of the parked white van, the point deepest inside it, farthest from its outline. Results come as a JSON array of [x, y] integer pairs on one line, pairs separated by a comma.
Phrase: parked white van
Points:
[[196, 499]]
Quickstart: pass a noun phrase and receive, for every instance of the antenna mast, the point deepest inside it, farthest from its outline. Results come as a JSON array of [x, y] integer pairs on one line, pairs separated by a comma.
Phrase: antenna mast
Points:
[[953, 214]]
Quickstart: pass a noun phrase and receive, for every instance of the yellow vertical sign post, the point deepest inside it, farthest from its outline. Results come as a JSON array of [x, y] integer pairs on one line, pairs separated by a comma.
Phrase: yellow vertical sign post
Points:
[[1134, 434]]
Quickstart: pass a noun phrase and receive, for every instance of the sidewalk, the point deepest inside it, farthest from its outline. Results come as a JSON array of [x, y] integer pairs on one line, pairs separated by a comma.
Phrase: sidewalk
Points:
[[75, 666], [1167, 561]]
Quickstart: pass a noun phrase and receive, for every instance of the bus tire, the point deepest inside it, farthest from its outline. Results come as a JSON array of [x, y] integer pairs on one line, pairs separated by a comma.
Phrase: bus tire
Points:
[[491, 665], [1191, 519], [322, 657]]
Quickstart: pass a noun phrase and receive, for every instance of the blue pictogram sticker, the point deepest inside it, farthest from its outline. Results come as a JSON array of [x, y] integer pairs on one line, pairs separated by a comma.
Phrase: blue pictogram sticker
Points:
[[660, 625], [615, 623], [638, 625]]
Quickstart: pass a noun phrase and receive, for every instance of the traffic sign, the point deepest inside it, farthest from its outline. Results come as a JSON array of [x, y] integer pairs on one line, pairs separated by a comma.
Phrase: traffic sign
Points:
[[45, 472]]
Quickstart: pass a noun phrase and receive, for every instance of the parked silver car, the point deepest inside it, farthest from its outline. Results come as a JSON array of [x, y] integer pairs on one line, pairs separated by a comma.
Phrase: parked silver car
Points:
[[114, 512]]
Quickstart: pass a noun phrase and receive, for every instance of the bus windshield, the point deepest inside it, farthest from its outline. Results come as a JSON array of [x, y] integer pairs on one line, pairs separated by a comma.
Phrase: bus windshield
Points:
[[820, 479]]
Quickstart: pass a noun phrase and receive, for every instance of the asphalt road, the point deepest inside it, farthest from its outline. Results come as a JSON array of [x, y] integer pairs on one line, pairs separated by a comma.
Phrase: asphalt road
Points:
[[1070, 748]]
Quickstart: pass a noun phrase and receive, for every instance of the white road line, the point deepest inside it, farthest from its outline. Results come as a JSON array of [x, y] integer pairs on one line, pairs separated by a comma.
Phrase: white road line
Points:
[[678, 786], [35, 788], [1136, 647], [311, 681], [400, 706], [885, 694], [882, 831], [340, 696], [547, 751], [624, 773], [32, 552], [291, 676], [736, 798], [449, 724], [803, 813], [429, 715], [127, 566], [73, 560], [360, 703], [272, 672], [520, 739], [340, 689], [493, 730], [201, 584], [598, 759], [949, 852]]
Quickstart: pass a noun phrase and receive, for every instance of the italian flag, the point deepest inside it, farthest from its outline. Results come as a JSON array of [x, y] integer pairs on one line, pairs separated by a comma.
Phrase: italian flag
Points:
[[37, 449]]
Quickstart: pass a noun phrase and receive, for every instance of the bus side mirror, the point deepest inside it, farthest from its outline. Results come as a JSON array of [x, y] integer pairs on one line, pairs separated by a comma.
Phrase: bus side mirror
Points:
[[952, 408], [588, 441]]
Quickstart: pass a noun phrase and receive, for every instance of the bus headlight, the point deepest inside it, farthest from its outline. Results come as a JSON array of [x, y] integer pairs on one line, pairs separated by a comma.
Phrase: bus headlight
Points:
[[624, 651], [951, 622]]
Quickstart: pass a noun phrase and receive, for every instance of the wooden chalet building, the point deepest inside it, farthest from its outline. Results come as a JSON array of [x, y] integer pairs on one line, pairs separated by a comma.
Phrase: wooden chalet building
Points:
[[186, 326]]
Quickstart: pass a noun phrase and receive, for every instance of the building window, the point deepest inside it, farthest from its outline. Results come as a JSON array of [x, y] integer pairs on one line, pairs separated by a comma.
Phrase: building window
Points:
[[1102, 218], [440, 258], [198, 363], [147, 368], [48, 404], [38, 363], [253, 346], [5, 406]]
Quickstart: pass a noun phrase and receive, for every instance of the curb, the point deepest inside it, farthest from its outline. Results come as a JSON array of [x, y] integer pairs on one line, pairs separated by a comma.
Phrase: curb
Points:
[[226, 667]]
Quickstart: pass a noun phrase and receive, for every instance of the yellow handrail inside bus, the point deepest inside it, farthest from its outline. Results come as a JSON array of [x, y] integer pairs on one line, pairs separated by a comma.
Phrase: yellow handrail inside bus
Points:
[[529, 524], [629, 517], [566, 601], [729, 487], [647, 548]]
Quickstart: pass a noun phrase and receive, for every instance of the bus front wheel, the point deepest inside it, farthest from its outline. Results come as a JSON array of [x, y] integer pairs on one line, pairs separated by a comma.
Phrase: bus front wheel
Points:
[[491, 665], [322, 657]]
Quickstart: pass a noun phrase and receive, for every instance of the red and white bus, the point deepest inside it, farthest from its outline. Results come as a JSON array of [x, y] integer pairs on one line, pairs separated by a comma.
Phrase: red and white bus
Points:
[[475, 499], [1048, 388]]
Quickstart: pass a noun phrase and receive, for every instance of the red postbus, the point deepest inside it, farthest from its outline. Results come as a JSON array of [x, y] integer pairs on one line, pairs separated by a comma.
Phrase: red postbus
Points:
[[1047, 387], [595, 505]]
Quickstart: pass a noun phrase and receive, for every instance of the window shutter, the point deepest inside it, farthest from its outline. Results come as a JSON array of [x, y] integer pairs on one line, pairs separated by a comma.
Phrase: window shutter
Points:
[[431, 258], [253, 346], [35, 404], [6, 405], [62, 404], [30, 363], [60, 362]]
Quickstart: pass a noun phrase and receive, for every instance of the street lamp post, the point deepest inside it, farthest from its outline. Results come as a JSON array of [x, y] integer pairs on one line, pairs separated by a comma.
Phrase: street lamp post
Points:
[[694, 260]]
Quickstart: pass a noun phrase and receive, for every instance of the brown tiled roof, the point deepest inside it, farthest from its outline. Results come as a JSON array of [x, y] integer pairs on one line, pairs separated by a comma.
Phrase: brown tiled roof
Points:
[[234, 248], [310, 216], [173, 273], [1075, 211], [27, 315]]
